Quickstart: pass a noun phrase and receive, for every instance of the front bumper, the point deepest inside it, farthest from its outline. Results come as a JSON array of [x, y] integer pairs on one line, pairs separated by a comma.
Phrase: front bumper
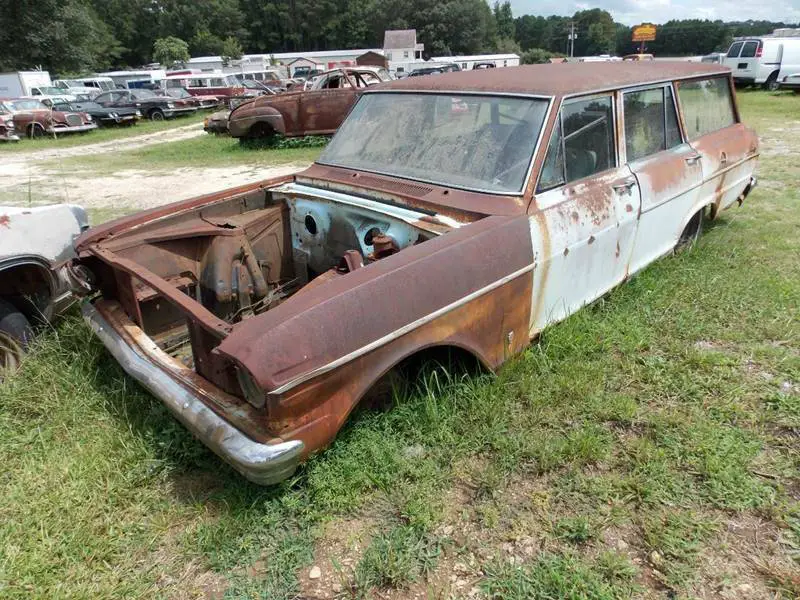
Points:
[[74, 129], [263, 464], [9, 137]]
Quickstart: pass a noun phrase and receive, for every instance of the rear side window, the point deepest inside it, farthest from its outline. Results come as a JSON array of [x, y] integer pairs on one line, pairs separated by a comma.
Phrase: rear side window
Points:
[[707, 106], [749, 50], [582, 143], [733, 51], [651, 124]]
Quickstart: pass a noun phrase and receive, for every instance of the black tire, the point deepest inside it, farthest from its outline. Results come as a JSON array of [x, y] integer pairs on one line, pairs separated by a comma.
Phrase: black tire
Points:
[[691, 232], [16, 334], [771, 83], [157, 115], [36, 131]]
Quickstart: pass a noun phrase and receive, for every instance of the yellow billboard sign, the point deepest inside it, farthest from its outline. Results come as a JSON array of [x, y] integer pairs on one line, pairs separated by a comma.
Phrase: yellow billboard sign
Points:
[[646, 32]]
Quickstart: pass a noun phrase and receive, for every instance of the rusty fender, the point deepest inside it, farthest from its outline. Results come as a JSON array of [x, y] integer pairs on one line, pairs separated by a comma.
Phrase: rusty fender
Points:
[[243, 118], [318, 353]]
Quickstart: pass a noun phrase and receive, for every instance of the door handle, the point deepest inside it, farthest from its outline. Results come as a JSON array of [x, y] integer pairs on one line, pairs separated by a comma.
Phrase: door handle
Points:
[[692, 160], [723, 158], [624, 187]]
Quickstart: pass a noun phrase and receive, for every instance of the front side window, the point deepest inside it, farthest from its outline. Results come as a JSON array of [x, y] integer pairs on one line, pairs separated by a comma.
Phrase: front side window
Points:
[[650, 122], [482, 143], [707, 106], [582, 143], [749, 50], [733, 51]]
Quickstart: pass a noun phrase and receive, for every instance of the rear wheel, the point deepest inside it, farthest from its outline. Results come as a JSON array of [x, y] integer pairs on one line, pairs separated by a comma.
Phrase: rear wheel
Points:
[[691, 232], [771, 83], [157, 115], [15, 335]]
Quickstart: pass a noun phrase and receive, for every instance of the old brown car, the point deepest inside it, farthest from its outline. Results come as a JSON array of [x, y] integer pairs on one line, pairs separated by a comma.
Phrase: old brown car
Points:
[[318, 110], [468, 210], [34, 119]]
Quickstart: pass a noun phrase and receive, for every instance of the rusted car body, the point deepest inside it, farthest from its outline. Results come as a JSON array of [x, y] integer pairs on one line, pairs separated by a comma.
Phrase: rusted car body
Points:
[[262, 315], [36, 120], [316, 111]]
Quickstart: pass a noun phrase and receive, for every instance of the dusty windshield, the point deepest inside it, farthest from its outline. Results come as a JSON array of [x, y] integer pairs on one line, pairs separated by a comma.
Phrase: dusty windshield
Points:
[[474, 142]]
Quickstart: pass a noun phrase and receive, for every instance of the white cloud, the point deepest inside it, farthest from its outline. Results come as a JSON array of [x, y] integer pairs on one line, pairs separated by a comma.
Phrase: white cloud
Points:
[[632, 12]]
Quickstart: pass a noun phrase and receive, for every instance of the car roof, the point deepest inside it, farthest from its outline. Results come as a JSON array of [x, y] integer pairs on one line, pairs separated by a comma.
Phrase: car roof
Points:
[[557, 79]]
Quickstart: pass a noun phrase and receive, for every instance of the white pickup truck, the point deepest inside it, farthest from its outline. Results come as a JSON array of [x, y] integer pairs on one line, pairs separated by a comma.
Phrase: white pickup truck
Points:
[[36, 283]]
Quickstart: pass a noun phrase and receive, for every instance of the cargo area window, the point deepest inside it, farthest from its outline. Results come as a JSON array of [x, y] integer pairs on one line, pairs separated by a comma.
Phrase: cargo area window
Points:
[[707, 106], [651, 124], [581, 144]]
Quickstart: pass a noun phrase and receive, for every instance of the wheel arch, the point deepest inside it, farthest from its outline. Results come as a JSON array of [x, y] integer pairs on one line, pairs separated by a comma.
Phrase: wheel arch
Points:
[[29, 276]]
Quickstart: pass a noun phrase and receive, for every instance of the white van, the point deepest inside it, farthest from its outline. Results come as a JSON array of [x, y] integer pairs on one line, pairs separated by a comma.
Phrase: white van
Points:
[[761, 60]]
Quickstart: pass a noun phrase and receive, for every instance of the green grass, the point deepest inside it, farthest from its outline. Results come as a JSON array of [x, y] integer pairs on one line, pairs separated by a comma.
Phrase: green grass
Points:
[[102, 134], [202, 151], [615, 458]]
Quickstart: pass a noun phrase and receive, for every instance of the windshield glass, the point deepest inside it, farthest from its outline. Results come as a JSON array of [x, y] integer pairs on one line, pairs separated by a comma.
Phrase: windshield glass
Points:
[[140, 94], [27, 105], [474, 142], [88, 106], [51, 91]]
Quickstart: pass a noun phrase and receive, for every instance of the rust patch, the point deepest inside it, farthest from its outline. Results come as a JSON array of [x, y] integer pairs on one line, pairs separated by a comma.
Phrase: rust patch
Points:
[[575, 216], [566, 251], [591, 239], [5, 221], [616, 254], [628, 208]]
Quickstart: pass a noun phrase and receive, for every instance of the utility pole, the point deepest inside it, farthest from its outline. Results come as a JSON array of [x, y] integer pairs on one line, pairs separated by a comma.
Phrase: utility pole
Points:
[[571, 38]]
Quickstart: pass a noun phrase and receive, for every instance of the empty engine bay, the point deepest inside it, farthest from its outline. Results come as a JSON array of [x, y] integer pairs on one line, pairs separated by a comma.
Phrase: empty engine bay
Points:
[[241, 256]]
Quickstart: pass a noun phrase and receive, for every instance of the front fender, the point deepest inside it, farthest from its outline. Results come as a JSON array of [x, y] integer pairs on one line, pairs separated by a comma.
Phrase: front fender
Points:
[[242, 120], [345, 319]]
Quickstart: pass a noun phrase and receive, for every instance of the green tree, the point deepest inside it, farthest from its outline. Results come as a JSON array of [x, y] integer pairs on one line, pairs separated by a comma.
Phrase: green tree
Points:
[[170, 50], [504, 19], [596, 32], [231, 49], [536, 56], [205, 43]]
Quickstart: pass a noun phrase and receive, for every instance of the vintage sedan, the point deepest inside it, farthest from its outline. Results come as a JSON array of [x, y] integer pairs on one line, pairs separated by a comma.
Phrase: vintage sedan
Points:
[[262, 315], [37, 120], [316, 111], [151, 105], [101, 115]]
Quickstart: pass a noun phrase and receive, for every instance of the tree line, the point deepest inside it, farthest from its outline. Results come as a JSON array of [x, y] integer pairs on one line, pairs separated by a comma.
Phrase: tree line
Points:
[[73, 36]]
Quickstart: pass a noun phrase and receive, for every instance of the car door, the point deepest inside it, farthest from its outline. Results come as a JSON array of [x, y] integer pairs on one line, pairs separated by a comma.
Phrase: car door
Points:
[[323, 110], [726, 147], [584, 216], [667, 169]]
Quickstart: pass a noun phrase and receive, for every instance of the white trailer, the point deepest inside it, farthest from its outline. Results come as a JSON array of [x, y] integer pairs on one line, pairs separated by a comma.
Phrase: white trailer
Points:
[[23, 83]]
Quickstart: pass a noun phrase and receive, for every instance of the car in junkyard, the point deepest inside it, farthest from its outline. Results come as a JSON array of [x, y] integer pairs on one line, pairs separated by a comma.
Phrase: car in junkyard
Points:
[[208, 101], [262, 315], [316, 111], [790, 82], [104, 117], [217, 122], [36, 120], [8, 132], [151, 105], [36, 281]]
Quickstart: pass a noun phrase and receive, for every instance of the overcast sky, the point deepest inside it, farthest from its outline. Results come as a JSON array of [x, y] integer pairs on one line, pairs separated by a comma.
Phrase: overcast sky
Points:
[[632, 12]]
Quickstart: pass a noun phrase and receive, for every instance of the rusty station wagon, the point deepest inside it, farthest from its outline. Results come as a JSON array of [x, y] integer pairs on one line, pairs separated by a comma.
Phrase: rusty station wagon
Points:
[[468, 210]]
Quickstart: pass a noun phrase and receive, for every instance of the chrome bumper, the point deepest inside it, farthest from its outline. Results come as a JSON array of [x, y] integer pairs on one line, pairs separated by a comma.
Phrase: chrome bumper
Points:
[[263, 464], [73, 129]]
